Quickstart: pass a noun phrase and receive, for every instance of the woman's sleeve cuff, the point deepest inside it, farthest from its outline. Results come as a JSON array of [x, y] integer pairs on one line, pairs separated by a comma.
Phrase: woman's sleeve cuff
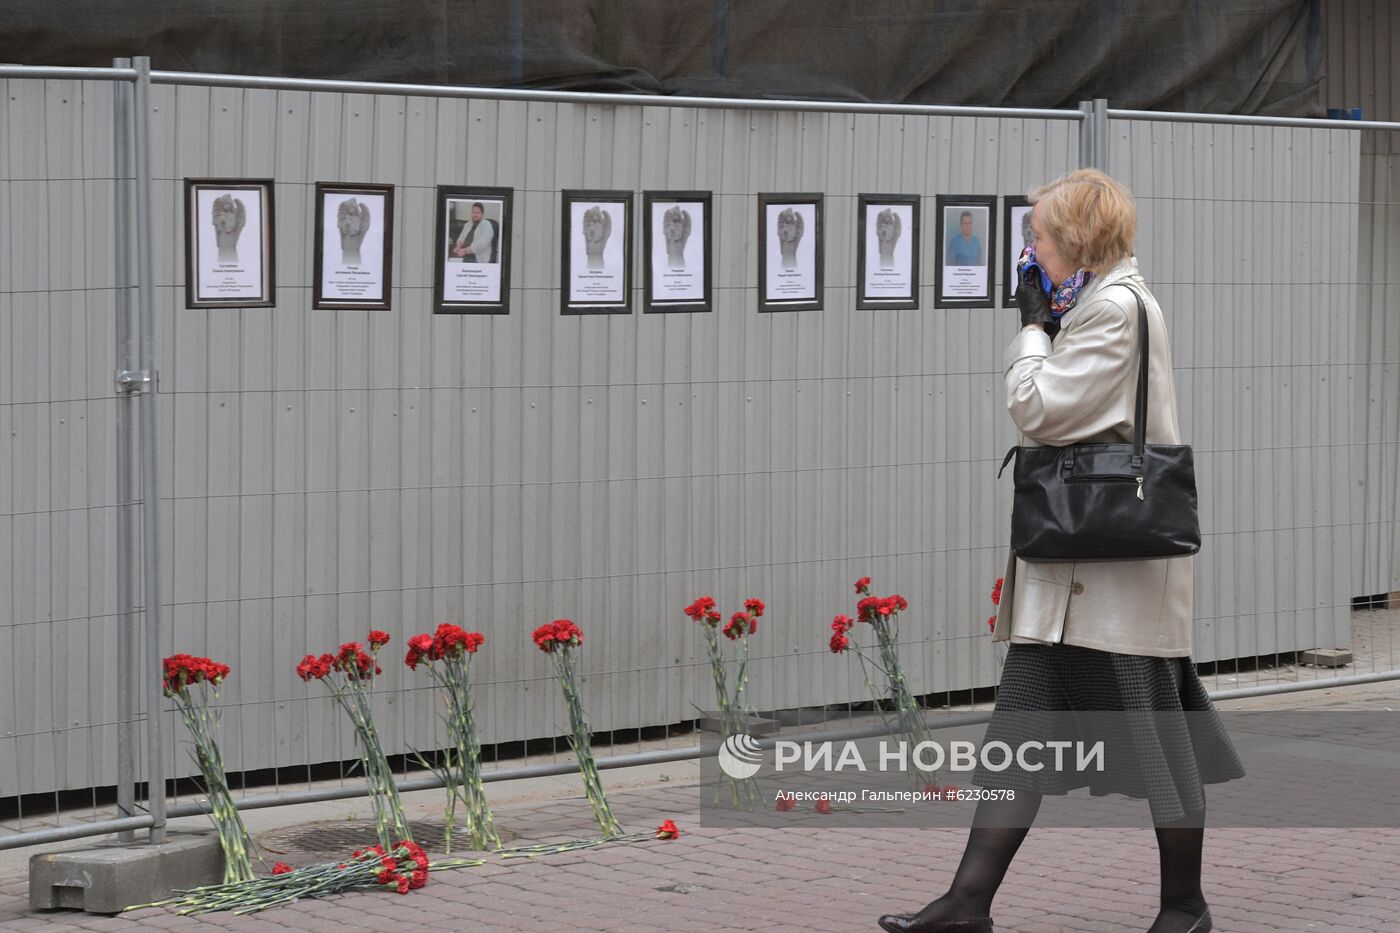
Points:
[[1029, 342]]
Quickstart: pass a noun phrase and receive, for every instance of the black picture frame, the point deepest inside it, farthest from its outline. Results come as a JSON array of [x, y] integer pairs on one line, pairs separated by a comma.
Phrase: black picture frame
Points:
[[907, 252], [374, 203], [1012, 208], [217, 257], [600, 287], [675, 283], [796, 294], [960, 289], [456, 288]]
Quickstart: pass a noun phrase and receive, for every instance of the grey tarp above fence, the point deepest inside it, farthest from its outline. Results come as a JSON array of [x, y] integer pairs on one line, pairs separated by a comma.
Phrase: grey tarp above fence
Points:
[[1226, 56]]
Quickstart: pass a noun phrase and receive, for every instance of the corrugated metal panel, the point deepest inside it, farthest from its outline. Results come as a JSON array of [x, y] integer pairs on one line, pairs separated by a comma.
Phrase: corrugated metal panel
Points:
[[329, 471], [1361, 72], [1246, 229]]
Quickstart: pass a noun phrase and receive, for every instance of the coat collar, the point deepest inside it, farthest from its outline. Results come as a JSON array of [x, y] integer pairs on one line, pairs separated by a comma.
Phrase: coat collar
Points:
[[1125, 270]]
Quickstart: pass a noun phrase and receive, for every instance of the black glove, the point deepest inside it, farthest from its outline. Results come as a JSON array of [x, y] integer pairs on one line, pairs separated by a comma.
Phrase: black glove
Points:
[[1035, 307]]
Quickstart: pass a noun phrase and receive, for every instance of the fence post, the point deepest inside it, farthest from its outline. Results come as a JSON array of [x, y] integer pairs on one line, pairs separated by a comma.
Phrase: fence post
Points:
[[1093, 134], [127, 566], [150, 489]]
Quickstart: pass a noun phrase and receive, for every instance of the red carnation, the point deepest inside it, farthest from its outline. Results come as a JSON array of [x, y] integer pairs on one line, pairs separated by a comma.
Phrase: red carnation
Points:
[[281, 868], [737, 625], [839, 643], [787, 803], [667, 830], [378, 639], [755, 607], [992, 623], [842, 624], [996, 591], [863, 584], [823, 806]]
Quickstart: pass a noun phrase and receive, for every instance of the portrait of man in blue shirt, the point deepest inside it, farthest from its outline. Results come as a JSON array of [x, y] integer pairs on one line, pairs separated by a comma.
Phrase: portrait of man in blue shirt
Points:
[[964, 248]]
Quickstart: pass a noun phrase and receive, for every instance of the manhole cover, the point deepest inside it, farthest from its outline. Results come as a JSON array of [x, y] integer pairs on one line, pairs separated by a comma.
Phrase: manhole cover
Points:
[[328, 841]]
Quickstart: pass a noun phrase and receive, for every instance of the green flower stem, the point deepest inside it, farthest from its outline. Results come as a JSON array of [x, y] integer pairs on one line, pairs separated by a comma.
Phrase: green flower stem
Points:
[[355, 698], [464, 759], [743, 793], [581, 740], [202, 722]]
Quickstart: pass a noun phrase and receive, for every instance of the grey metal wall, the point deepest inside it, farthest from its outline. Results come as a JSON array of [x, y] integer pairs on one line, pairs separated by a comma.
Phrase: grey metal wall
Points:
[[1248, 237], [1362, 37], [331, 471]]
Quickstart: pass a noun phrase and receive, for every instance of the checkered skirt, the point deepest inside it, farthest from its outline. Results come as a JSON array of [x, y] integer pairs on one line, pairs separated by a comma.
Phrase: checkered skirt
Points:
[[1163, 737]]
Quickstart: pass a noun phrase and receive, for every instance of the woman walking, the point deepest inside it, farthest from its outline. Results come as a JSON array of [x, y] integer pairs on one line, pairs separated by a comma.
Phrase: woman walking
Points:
[[1087, 637]]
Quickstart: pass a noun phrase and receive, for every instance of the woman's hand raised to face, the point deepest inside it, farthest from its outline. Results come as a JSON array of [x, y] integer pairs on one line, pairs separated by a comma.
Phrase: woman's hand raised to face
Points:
[[1034, 306]]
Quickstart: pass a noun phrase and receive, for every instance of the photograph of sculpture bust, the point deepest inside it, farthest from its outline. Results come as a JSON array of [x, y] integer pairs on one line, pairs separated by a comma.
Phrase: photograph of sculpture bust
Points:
[[597, 227], [359, 218], [675, 230], [887, 229], [790, 261], [597, 261], [887, 252], [229, 217], [229, 259], [676, 250], [352, 220], [789, 232]]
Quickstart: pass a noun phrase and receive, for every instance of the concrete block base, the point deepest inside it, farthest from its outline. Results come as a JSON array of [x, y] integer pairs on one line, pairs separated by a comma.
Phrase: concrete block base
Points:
[[107, 878], [1326, 657]]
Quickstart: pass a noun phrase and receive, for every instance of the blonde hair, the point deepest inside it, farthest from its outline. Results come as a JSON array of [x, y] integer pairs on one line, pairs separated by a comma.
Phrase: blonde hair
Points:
[[1091, 217]]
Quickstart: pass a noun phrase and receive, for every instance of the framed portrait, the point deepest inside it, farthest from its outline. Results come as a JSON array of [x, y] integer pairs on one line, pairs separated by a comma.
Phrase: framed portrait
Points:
[[887, 252], [354, 247], [228, 243], [596, 262], [473, 250], [1016, 221], [966, 234], [790, 252], [676, 243]]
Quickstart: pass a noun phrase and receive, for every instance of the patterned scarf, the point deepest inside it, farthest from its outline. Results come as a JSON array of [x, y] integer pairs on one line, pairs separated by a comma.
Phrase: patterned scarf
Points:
[[1061, 298]]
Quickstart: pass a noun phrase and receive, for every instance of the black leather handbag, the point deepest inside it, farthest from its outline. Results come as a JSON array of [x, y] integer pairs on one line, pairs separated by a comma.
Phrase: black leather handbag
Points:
[[1106, 502]]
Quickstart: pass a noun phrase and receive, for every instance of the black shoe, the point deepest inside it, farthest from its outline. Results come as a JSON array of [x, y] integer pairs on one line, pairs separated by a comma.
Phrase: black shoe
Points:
[[898, 923], [1201, 924]]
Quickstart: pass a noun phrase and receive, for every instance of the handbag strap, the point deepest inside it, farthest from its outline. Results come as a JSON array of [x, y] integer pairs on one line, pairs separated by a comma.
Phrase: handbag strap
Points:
[[1140, 407]]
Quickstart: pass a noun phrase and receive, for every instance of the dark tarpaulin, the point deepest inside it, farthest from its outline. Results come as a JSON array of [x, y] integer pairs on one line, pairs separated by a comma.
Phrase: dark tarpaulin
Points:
[[1226, 56]]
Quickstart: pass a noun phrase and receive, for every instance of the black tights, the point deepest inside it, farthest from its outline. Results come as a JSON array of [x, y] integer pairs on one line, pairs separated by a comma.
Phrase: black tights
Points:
[[998, 829]]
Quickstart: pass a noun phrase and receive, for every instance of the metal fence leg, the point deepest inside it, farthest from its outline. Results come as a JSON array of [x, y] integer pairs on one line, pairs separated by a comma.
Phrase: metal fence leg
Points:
[[127, 566], [150, 489], [1093, 134]]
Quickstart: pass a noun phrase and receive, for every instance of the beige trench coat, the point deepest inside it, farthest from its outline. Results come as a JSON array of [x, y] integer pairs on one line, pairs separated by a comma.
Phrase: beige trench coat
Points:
[[1082, 388]]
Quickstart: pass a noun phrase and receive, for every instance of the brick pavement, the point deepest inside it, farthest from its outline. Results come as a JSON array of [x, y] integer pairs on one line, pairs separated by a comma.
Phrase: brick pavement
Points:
[[816, 876]]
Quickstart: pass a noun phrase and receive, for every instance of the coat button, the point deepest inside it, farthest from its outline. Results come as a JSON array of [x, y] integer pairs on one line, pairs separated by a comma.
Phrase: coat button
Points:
[[1077, 589]]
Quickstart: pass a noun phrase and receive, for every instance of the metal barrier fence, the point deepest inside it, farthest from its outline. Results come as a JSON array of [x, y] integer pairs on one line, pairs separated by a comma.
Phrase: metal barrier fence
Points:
[[284, 526]]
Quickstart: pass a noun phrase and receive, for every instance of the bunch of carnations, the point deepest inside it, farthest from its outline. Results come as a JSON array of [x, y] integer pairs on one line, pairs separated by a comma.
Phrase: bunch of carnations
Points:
[[402, 867], [349, 676], [192, 682], [445, 655], [732, 707], [881, 613], [561, 640]]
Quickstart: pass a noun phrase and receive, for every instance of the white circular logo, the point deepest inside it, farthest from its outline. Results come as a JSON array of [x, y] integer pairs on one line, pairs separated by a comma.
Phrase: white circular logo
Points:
[[740, 757]]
